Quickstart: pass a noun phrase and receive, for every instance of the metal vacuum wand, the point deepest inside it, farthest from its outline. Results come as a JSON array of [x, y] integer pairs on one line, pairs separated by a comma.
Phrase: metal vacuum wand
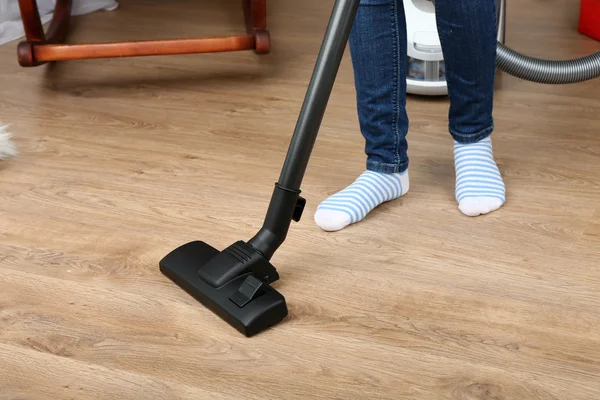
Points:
[[286, 204], [235, 283], [318, 93]]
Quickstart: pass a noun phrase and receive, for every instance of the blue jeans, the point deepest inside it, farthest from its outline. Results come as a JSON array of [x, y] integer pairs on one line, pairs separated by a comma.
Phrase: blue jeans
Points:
[[467, 30]]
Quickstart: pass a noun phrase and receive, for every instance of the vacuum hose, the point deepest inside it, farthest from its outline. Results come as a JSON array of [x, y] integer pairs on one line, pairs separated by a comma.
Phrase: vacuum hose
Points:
[[547, 71], [539, 70]]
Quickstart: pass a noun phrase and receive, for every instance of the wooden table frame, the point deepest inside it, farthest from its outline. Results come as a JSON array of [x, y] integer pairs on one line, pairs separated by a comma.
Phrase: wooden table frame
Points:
[[41, 47]]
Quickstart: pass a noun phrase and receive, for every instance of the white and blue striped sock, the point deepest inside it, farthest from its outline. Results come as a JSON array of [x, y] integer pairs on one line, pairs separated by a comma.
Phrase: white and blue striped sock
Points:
[[479, 185], [353, 204]]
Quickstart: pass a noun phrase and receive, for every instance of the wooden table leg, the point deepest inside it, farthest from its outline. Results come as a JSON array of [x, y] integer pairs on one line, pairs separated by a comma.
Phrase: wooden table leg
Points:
[[255, 12], [34, 31], [63, 52], [41, 47]]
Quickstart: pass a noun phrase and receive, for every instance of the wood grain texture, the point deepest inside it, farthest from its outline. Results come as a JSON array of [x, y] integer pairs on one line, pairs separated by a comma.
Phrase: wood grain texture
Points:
[[122, 160]]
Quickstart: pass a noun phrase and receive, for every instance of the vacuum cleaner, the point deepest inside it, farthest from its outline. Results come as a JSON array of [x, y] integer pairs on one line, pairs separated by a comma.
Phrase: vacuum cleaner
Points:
[[236, 283], [426, 74]]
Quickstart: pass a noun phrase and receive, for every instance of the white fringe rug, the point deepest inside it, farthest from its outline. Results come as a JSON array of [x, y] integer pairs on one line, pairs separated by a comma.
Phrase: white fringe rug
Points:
[[7, 147]]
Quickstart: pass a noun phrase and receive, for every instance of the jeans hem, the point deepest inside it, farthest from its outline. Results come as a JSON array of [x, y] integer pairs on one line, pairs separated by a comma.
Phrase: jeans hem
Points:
[[472, 137], [385, 168]]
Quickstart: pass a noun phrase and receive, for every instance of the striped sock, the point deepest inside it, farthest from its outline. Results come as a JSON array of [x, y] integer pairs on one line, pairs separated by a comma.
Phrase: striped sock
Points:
[[354, 203], [479, 185]]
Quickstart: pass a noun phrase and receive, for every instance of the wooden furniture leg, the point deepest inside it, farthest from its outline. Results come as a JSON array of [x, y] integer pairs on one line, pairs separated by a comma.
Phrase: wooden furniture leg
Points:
[[41, 47], [34, 31], [255, 12]]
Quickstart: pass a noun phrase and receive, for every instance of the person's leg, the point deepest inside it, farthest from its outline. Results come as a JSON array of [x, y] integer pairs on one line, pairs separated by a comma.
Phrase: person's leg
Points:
[[467, 30], [378, 51]]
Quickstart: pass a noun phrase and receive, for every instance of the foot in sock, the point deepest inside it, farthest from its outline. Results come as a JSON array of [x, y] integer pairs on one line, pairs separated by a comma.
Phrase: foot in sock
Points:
[[479, 185], [352, 204]]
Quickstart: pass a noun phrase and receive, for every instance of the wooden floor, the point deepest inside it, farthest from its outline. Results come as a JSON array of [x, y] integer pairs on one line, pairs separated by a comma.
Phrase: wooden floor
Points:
[[123, 160]]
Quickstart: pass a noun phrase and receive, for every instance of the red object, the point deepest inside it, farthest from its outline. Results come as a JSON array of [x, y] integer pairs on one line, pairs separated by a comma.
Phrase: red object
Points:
[[589, 18]]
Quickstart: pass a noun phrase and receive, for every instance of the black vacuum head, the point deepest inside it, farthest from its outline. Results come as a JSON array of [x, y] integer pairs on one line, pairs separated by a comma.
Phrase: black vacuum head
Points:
[[233, 283]]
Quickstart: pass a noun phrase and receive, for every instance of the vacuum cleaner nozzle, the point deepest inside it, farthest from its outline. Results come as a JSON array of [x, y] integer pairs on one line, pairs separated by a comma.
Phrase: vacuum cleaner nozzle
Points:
[[233, 283]]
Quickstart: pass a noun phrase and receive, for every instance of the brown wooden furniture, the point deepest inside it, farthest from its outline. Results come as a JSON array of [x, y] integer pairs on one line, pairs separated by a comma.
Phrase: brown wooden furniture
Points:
[[41, 47]]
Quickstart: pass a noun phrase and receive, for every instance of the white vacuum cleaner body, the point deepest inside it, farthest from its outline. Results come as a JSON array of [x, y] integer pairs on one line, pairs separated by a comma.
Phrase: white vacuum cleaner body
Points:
[[426, 71]]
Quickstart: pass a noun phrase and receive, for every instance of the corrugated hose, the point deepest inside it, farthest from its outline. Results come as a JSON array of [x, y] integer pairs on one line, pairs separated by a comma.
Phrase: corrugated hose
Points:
[[547, 71]]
